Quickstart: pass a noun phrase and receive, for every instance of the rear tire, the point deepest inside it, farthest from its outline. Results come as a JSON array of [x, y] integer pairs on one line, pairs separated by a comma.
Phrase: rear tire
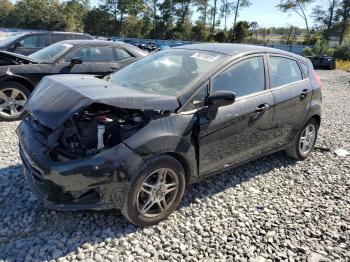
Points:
[[13, 98], [155, 192], [303, 144]]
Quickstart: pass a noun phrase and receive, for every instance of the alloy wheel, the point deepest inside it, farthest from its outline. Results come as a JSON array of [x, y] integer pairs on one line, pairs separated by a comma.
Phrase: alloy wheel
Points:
[[158, 192], [307, 139], [12, 102]]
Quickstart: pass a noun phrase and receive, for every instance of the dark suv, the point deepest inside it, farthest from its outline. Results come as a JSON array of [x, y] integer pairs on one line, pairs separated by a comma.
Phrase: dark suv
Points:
[[29, 43], [133, 141]]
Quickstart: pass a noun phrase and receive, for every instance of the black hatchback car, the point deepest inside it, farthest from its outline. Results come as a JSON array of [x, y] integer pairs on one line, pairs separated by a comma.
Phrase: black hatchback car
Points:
[[135, 141], [20, 74], [28, 43]]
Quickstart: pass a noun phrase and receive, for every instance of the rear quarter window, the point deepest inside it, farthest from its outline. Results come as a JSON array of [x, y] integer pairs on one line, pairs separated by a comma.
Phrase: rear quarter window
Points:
[[121, 54]]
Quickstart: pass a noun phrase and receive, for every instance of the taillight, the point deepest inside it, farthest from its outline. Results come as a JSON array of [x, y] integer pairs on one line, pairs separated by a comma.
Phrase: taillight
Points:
[[317, 78]]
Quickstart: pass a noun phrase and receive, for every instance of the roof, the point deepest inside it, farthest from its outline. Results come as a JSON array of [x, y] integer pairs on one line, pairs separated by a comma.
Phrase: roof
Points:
[[236, 49], [134, 50], [89, 42], [51, 32]]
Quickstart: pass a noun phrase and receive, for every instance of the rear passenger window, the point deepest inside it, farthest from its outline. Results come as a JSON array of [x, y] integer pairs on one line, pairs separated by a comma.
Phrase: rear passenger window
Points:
[[92, 54], [122, 54], [244, 78], [284, 71]]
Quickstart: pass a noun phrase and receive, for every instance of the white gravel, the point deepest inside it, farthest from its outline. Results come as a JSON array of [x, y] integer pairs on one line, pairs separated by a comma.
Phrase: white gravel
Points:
[[272, 209]]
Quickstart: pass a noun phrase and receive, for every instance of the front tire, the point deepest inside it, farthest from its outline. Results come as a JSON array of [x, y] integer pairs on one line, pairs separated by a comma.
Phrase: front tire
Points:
[[303, 144], [13, 98], [156, 191]]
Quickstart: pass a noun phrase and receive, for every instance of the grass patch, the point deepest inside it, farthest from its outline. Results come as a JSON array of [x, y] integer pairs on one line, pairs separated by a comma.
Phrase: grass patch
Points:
[[342, 64]]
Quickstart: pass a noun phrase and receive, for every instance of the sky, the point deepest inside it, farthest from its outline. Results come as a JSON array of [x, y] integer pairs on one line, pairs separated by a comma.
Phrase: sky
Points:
[[266, 14]]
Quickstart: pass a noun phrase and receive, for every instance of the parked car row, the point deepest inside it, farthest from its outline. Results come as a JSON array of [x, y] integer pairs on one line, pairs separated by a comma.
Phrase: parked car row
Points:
[[150, 46], [20, 74]]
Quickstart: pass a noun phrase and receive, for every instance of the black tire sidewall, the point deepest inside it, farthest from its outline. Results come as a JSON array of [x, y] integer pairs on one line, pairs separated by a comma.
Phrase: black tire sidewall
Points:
[[130, 204], [20, 87], [297, 150]]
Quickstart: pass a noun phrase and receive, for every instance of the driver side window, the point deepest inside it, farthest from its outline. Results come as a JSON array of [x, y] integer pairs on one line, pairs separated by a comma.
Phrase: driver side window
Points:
[[244, 78]]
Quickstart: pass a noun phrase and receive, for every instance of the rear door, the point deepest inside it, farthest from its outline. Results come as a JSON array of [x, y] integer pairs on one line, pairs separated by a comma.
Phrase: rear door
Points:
[[237, 132], [292, 94]]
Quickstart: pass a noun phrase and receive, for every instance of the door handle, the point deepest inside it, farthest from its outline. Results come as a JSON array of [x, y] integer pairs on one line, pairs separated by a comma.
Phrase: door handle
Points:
[[262, 108], [305, 93]]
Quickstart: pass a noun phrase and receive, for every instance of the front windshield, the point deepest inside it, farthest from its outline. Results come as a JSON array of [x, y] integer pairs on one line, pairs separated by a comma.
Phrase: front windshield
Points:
[[9, 40], [51, 53], [167, 72]]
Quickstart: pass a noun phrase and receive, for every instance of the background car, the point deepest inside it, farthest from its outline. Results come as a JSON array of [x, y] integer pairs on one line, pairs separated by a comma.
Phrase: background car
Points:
[[163, 122], [28, 43], [19, 74]]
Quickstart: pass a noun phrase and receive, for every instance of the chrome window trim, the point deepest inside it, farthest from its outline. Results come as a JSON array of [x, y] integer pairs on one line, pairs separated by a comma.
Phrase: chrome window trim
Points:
[[289, 84]]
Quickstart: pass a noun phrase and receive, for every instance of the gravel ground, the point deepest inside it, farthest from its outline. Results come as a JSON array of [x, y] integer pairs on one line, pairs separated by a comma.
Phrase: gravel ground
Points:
[[269, 210]]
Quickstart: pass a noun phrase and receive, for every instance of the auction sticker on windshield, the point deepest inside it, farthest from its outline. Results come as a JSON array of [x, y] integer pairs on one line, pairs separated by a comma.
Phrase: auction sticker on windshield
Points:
[[204, 57]]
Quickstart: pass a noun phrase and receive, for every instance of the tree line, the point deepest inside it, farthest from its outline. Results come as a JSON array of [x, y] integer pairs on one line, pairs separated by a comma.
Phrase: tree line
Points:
[[173, 19]]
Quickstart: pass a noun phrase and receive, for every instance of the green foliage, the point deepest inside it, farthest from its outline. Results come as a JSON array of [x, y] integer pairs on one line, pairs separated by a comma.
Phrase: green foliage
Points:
[[308, 51], [200, 32], [75, 12], [241, 32], [98, 22], [222, 36], [320, 47], [39, 14], [342, 53], [5, 8]]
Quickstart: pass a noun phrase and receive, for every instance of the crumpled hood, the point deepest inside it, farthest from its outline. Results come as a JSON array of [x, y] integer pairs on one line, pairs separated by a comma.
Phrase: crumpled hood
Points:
[[7, 58], [57, 98]]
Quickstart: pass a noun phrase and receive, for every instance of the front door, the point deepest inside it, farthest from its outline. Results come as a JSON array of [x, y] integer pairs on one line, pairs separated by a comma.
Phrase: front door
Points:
[[231, 134]]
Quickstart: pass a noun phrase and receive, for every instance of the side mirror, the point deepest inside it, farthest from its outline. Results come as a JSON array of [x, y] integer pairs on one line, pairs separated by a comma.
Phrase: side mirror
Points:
[[221, 98], [75, 61], [16, 45], [115, 67]]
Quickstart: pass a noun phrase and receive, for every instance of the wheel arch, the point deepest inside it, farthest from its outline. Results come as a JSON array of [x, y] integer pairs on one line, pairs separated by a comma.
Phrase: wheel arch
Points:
[[173, 136], [189, 176], [317, 118], [19, 80]]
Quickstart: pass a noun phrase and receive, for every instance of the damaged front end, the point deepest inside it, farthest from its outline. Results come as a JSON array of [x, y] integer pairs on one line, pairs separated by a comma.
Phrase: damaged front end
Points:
[[82, 164], [96, 128], [72, 144], [8, 58]]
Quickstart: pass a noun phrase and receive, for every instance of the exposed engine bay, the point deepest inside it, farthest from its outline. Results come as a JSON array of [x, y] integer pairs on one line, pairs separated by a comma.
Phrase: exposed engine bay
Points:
[[94, 129], [7, 58]]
